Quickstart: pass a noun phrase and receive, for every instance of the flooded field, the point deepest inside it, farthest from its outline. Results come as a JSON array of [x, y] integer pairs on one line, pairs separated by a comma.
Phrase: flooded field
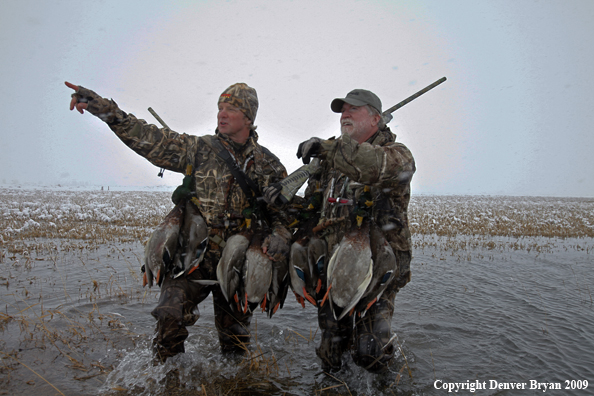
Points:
[[501, 293]]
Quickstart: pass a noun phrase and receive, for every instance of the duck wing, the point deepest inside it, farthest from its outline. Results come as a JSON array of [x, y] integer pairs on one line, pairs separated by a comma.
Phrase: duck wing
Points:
[[317, 250], [279, 286], [384, 268], [161, 247], [299, 274], [349, 271], [257, 274], [231, 264], [193, 238]]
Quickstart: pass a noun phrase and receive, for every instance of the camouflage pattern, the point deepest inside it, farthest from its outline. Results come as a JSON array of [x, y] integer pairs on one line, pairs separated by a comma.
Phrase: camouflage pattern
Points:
[[373, 346], [370, 341], [221, 200], [378, 171], [382, 164], [106, 109], [222, 203], [243, 97]]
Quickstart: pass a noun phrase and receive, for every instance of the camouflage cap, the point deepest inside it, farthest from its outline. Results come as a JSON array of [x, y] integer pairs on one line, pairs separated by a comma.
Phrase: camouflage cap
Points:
[[357, 97], [243, 97]]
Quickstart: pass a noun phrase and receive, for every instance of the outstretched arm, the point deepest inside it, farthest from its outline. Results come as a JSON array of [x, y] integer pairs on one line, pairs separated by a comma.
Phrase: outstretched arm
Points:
[[161, 146], [85, 99]]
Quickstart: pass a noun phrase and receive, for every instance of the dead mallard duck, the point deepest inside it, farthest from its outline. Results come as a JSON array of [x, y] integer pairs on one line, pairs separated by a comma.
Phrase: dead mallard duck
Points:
[[279, 285], [257, 275], [161, 247], [230, 267], [193, 239], [306, 263], [384, 269], [350, 271]]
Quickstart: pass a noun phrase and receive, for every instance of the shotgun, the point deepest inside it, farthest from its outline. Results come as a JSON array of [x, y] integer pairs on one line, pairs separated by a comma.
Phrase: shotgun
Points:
[[413, 97], [292, 183]]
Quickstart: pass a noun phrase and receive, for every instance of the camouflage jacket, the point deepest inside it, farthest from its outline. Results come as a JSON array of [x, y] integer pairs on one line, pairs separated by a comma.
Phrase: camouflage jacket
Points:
[[222, 200], [384, 166]]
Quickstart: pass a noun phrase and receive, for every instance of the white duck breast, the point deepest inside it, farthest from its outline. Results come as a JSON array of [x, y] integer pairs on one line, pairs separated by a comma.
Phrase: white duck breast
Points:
[[257, 272], [231, 264], [161, 247], [350, 270]]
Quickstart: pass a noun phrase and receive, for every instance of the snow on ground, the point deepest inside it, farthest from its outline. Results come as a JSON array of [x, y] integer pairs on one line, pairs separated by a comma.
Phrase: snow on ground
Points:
[[95, 216]]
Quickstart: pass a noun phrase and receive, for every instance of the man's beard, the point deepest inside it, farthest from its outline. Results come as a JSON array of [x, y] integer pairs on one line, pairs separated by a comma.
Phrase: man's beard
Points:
[[354, 127]]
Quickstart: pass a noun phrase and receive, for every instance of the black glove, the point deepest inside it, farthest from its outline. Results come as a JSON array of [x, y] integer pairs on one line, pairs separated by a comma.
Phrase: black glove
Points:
[[309, 148], [271, 193]]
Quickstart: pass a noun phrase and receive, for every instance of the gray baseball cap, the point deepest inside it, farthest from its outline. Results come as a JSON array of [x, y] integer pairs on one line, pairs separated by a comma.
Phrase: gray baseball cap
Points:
[[357, 97]]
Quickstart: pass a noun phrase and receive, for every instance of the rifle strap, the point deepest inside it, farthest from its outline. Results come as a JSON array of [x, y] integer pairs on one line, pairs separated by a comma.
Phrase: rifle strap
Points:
[[248, 186]]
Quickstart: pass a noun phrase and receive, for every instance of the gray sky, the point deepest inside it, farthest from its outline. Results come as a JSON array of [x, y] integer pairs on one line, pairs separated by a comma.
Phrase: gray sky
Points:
[[515, 117]]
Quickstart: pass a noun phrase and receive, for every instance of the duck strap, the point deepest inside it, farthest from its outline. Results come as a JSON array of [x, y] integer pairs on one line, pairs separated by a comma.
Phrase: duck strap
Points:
[[248, 186]]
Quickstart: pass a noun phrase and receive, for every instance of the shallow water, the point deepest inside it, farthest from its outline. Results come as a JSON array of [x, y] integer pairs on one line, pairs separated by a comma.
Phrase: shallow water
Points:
[[77, 321]]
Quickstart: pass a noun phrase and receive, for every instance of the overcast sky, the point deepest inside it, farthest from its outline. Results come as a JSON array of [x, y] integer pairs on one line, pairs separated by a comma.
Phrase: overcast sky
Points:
[[515, 116]]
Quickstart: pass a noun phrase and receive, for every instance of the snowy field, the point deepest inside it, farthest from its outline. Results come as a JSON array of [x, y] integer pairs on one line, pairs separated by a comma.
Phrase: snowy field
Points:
[[94, 217]]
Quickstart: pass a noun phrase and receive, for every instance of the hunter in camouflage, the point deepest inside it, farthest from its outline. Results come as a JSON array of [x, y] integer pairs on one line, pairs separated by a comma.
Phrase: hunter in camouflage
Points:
[[220, 199], [363, 191]]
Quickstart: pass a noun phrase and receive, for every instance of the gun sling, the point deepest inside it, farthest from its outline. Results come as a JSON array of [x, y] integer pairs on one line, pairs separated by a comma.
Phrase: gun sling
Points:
[[248, 186]]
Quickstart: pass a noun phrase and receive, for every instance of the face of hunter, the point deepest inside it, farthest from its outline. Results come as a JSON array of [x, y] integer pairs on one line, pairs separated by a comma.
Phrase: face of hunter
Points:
[[358, 122], [233, 123]]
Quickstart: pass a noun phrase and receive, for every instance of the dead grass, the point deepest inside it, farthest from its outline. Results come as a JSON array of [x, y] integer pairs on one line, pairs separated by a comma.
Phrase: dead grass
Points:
[[33, 220], [65, 220], [502, 216]]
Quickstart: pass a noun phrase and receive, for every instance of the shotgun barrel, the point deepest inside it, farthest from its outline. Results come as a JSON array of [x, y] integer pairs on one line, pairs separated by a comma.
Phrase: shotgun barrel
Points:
[[292, 183], [154, 113], [413, 97]]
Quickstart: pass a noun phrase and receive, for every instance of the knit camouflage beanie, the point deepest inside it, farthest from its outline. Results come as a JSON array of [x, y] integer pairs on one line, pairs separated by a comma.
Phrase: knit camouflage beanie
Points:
[[243, 97]]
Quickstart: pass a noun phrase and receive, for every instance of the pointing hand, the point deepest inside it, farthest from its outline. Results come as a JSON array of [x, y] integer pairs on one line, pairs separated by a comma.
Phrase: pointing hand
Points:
[[77, 101]]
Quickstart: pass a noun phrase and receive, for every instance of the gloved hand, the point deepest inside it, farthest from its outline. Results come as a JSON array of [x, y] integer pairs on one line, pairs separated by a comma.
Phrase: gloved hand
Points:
[[276, 245], [309, 148], [85, 99], [271, 193]]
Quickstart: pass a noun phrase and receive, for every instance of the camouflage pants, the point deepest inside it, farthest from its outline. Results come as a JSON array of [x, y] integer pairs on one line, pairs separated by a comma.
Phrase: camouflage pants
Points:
[[370, 341], [178, 308]]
